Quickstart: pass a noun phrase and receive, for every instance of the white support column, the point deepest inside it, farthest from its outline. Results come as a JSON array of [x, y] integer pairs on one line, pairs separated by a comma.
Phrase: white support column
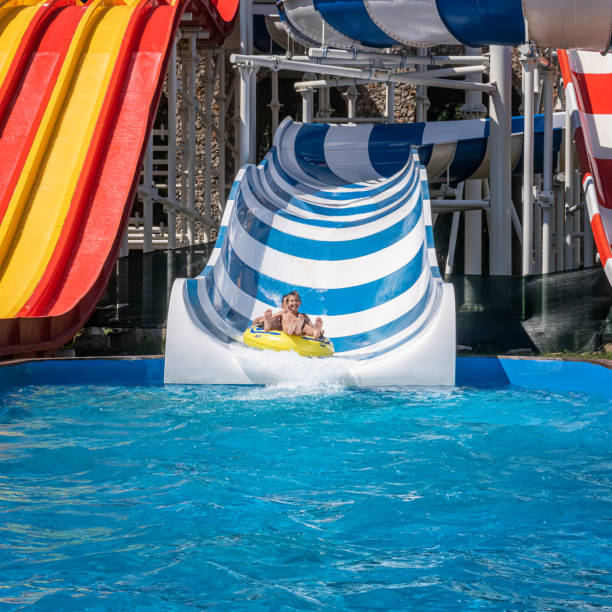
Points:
[[587, 240], [473, 109], [274, 102], [528, 149], [547, 196], [124, 250], [351, 101], [500, 250], [223, 134], [422, 101], [147, 200], [247, 88], [537, 229], [569, 191], [452, 244], [577, 229], [237, 121], [172, 95], [245, 115], [208, 134], [390, 102], [559, 228], [307, 105]]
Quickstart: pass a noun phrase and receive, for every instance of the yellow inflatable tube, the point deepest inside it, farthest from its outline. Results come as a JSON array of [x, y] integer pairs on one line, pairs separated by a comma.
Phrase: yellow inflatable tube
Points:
[[279, 341]]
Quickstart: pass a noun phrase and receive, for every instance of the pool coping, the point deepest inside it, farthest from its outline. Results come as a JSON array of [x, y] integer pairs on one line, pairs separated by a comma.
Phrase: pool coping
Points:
[[559, 374]]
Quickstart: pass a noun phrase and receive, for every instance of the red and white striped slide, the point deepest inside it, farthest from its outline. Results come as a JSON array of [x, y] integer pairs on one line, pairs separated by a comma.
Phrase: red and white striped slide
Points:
[[588, 87]]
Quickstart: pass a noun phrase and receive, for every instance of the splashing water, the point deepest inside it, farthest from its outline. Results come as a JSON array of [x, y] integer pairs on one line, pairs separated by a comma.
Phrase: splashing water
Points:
[[289, 372]]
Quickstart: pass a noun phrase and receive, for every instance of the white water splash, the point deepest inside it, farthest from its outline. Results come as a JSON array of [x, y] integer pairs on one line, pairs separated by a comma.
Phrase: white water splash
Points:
[[291, 374]]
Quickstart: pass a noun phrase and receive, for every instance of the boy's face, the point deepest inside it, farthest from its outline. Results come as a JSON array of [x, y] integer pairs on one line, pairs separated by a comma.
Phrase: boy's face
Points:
[[292, 303]]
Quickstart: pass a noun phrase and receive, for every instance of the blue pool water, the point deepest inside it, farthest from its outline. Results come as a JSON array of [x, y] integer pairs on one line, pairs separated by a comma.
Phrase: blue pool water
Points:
[[304, 497]]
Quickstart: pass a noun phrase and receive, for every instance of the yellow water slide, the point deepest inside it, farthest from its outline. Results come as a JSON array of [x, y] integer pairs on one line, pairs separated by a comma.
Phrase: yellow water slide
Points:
[[40, 202], [14, 20]]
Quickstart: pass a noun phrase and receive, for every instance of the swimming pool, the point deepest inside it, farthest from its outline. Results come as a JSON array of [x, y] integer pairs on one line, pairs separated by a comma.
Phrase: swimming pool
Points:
[[306, 495]]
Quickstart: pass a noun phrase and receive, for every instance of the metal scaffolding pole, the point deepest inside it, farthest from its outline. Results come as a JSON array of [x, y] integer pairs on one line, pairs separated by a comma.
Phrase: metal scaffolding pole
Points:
[[191, 133], [390, 102], [307, 105], [222, 136], [351, 101], [500, 107], [147, 200], [569, 190], [547, 197], [472, 109], [528, 150], [208, 106], [274, 102], [422, 101], [172, 95]]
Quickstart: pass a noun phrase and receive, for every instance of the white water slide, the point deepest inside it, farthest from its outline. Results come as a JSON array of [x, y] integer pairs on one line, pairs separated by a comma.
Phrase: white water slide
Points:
[[342, 214]]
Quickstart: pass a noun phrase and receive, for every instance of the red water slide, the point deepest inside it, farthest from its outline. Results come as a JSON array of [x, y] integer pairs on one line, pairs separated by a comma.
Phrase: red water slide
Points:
[[83, 258]]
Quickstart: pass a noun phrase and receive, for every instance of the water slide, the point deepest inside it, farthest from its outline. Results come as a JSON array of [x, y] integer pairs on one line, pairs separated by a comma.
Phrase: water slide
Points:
[[342, 214], [79, 88], [349, 24], [587, 78]]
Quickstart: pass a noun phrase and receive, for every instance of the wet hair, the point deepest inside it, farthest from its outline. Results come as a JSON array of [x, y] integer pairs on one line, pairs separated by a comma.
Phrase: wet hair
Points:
[[286, 296]]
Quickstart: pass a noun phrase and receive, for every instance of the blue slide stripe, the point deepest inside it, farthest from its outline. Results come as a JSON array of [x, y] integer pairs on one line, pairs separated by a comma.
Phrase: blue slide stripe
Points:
[[372, 336], [310, 154], [191, 285], [469, 154], [351, 18], [400, 200], [334, 302], [484, 22], [332, 211], [389, 146], [352, 191], [321, 250]]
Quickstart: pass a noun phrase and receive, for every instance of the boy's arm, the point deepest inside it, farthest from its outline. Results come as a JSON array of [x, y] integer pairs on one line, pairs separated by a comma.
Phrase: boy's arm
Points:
[[306, 318]]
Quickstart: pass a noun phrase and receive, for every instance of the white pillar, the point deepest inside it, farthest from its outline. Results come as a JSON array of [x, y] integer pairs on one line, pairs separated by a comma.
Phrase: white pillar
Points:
[[237, 120], [587, 240], [247, 88], [500, 109], [307, 105], [472, 109], [559, 228], [351, 101], [422, 101], [547, 176], [528, 150], [274, 102], [569, 190], [245, 115], [576, 233], [172, 93]]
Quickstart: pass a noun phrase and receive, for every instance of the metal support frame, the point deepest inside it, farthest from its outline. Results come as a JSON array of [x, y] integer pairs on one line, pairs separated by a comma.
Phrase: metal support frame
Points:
[[500, 244], [372, 75], [422, 101], [546, 199], [472, 109], [528, 64], [275, 105]]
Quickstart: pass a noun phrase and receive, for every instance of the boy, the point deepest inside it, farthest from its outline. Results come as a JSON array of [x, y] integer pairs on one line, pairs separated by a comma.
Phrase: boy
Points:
[[290, 320]]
